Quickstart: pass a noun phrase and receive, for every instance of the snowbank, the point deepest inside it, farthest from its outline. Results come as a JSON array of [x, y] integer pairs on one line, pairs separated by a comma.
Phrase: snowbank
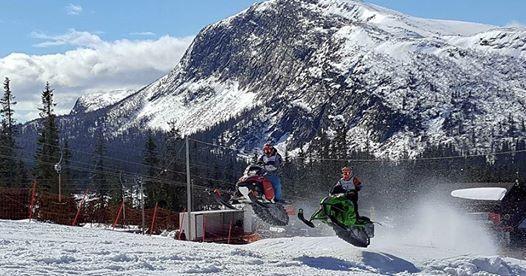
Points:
[[39, 248]]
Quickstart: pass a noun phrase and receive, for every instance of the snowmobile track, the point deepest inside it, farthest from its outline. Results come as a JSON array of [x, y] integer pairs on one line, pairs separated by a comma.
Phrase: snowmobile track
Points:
[[274, 214], [348, 236]]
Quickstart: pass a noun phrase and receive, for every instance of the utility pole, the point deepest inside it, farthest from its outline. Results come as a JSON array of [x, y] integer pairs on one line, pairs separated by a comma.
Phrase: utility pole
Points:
[[123, 197], [139, 180], [188, 191], [58, 169]]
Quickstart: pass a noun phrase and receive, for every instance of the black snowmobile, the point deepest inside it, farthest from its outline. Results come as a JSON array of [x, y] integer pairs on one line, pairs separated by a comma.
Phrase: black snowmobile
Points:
[[252, 189], [338, 212]]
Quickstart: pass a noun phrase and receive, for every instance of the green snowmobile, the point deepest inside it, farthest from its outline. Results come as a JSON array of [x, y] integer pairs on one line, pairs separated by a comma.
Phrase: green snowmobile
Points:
[[338, 211]]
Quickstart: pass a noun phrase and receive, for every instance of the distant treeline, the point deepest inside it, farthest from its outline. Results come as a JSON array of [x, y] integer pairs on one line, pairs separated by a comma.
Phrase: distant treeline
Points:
[[114, 165]]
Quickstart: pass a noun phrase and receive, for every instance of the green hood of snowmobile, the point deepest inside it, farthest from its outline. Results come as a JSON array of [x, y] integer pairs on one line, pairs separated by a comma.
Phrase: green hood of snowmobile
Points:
[[339, 207]]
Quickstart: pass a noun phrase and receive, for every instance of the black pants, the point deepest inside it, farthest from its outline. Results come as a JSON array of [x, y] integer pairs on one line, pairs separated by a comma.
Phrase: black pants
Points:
[[353, 197]]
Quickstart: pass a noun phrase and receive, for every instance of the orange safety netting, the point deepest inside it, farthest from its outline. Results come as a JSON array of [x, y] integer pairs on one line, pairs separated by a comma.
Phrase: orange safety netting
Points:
[[24, 203]]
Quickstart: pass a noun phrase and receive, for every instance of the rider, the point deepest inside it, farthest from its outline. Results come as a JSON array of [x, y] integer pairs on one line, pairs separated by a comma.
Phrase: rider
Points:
[[271, 161], [350, 185]]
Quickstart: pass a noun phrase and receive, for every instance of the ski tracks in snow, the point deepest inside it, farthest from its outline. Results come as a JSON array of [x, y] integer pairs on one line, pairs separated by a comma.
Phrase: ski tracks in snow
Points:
[[35, 248]]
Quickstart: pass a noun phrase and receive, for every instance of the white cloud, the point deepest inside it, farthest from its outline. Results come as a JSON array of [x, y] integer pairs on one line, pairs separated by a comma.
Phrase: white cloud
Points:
[[96, 65], [73, 9], [72, 37], [143, 33]]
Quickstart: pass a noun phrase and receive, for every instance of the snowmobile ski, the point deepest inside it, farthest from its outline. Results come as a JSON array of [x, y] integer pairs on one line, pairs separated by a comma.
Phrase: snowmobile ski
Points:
[[220, 200], [338, 212], [302, 218]]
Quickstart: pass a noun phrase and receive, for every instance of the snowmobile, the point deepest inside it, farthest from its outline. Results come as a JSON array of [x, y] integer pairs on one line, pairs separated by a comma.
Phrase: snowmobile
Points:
[[338, 211], [255, 189]]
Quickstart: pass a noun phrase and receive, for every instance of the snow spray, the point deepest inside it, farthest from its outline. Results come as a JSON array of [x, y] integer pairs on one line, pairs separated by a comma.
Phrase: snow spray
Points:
[[433, 222]]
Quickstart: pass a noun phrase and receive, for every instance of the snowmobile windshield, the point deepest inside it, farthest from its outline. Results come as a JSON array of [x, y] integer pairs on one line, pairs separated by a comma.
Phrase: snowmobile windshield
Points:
[[253, 170]]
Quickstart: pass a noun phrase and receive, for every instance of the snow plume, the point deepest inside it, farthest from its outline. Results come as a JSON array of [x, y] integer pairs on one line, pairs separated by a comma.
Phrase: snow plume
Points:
[[433, 222]]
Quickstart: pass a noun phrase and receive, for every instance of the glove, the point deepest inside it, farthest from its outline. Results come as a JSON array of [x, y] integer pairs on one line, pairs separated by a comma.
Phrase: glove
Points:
[[351, 195]]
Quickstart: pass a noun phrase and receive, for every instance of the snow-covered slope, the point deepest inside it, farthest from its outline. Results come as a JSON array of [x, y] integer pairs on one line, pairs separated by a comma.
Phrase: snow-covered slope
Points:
[[290, 67], [95, 101], [33, 248]]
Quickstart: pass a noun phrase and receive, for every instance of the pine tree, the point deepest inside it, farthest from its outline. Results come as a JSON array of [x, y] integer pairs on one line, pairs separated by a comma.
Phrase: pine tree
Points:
[[288, 174], [151, 161], [99, 177], [8, 164], [340, 142], [503, 166], [22, 176], [48, 152], [7, 102], [512, 128], [174, 168], [321, 145], [473, 138], [66, 168], [520, 159]]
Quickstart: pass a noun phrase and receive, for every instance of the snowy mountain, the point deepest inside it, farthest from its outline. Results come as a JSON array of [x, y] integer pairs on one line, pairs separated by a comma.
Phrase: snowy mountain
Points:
[[282, 70], [95, 101]]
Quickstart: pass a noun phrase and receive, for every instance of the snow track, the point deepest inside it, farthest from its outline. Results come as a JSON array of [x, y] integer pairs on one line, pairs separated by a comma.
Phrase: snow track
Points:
[[34, 248]]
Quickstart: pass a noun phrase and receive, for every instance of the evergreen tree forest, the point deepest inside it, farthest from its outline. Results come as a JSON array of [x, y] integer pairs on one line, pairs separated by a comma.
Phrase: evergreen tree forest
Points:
[[12, 169], [116, 166], [48, 149]]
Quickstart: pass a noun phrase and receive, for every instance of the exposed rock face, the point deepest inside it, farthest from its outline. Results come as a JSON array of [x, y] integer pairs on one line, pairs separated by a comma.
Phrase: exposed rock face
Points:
[[96, 101], [290, 66]]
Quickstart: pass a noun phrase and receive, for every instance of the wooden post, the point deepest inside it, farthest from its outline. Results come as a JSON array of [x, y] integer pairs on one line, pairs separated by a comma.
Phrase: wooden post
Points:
[[188, 191], [181, 229], [230, 228], [59, 187], [154, 217], [79, 208], [32, 203], [118, 216], [142, 208]]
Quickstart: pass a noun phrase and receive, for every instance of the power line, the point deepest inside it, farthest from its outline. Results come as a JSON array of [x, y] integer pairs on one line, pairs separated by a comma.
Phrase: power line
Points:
[[416, 159], [131, 174], [389, 160], [174, 160], [105, 157], [147, 178], [83, 169], [102, 156], [221, 146]]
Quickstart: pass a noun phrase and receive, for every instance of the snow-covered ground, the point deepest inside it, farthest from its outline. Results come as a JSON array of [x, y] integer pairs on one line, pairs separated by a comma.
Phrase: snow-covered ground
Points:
[[34, 248]]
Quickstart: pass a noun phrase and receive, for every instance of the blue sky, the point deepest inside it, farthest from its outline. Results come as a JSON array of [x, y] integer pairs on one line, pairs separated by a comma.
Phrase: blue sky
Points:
[[22, 21], [494, 12], [83, 47], [111, 20]]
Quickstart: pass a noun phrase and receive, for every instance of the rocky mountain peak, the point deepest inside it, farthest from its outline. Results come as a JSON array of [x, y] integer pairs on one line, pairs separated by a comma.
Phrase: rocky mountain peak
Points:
[[282, 69]]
